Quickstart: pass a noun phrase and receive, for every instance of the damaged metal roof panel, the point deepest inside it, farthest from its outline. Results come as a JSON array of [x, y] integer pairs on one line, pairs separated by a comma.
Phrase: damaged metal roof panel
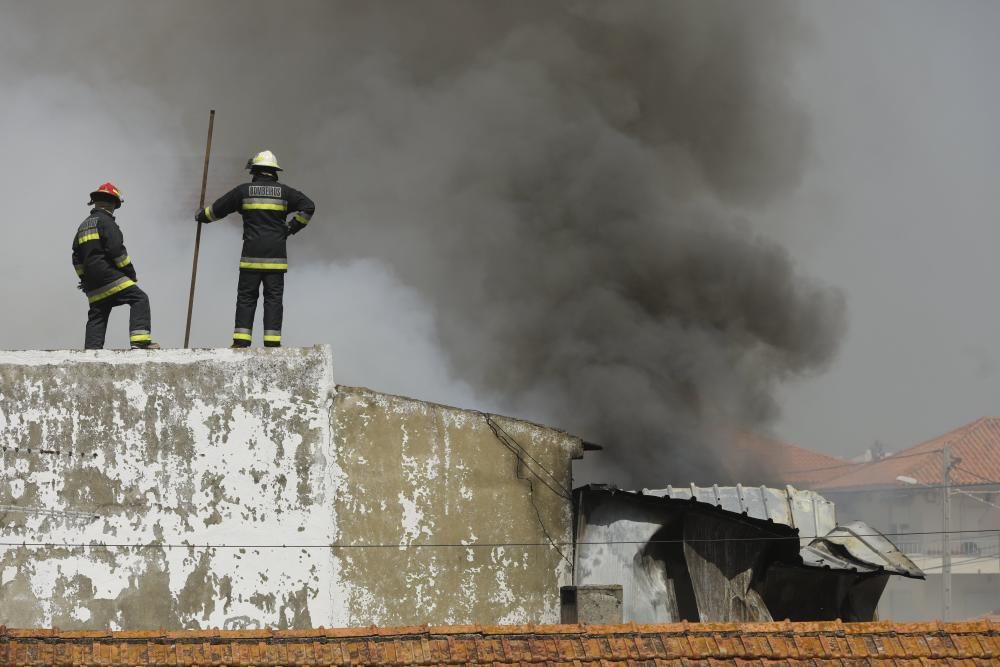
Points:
[[662, 547], [858, 547], [807, 511]]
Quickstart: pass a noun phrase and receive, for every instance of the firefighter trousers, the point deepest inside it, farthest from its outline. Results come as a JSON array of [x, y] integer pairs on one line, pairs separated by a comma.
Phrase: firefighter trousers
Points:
[[138, 321], [247, 293]]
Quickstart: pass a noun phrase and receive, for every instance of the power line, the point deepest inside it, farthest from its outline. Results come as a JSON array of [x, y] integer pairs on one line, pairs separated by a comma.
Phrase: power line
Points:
[[976, 498], [962, 563], [519, 452], [919, 486], [977, 475], [478, 545], [497, 429]]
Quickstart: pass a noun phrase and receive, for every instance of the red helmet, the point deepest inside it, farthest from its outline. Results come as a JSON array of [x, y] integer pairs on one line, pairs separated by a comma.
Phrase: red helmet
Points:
[[108, 189]]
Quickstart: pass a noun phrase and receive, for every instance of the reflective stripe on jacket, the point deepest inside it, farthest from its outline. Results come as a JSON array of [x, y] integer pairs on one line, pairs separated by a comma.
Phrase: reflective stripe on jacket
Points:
[[99, 256], [264, 204]]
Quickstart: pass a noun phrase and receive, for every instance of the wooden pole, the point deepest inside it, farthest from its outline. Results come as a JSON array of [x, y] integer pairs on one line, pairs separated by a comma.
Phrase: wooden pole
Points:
[[197, 238]]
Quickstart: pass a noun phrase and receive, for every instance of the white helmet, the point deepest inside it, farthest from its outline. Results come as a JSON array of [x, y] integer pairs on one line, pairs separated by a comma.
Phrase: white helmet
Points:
[[264, 160]]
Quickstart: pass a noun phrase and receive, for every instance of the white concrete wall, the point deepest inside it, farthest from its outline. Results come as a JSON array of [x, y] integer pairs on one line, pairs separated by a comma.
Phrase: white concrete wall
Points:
[[190, 448], [195, 467]]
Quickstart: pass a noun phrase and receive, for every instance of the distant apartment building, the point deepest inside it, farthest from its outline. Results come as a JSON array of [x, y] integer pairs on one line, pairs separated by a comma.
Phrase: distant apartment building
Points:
[[902, 495]]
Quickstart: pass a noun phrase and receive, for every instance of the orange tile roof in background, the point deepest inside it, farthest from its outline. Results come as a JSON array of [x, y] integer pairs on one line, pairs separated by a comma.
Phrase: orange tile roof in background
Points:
[[798, 466], [834, 643], [977, 444]]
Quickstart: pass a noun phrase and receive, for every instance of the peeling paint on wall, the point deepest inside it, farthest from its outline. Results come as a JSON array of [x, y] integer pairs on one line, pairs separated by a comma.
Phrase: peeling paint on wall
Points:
[[189, 448], [424, 474], [195, 465]]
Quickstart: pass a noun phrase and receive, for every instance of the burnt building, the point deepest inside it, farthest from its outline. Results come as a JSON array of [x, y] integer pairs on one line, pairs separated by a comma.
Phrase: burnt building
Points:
[[731, 554]]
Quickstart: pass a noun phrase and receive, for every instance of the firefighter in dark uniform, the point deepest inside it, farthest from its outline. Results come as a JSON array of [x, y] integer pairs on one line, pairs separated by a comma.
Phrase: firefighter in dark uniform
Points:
[[265, 205], [107, 275]]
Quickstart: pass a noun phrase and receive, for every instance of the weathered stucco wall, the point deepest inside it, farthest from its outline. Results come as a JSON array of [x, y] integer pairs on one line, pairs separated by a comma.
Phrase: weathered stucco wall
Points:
[[209, 486], [424, 474]]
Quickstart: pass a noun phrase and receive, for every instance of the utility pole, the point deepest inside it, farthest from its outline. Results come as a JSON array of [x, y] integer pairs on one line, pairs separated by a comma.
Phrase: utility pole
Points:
[[946, 533]]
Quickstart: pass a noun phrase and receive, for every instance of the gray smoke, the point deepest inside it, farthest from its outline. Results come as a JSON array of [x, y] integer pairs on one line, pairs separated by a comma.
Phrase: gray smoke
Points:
[[573, 187]]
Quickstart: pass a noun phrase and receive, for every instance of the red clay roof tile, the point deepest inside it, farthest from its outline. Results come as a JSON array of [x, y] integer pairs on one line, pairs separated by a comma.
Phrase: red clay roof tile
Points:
[[587, 646], [976, 444], [790, 463]]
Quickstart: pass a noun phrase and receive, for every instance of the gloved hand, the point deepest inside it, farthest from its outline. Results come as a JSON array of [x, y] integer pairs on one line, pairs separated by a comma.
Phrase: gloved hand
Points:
[[79, 286], [200, 216], [288, 230]]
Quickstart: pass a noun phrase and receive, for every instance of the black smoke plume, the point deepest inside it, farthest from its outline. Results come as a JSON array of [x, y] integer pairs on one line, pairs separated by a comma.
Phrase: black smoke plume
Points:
[[574, 187]]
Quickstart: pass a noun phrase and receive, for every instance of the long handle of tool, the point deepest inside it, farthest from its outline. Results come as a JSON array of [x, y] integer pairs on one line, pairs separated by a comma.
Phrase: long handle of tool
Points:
[[197, 237]]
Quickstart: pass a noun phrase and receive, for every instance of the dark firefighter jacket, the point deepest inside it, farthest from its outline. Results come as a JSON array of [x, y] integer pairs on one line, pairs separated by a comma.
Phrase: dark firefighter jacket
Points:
[[264, 204], [100, 258]]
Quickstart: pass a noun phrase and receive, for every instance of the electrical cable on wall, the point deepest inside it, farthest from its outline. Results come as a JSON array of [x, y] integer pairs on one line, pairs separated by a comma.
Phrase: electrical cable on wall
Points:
[[519, 452]]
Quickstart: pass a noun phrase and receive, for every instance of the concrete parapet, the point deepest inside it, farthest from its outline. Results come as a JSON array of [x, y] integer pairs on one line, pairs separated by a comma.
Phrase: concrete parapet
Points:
[[241, 489]]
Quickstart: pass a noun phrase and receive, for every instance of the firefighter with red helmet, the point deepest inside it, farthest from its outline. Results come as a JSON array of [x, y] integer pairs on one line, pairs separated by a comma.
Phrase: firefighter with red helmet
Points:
[[107, 275], [264, 203]]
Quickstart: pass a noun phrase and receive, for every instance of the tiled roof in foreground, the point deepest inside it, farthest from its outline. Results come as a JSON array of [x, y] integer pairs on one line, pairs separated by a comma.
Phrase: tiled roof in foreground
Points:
[[827, 643]]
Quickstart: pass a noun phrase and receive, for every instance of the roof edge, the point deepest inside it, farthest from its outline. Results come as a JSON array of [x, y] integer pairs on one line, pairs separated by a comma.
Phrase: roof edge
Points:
[[779, 627]]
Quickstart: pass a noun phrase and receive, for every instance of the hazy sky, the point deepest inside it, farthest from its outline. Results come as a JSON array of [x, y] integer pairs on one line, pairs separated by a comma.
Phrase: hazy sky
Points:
[[900, 209], [896, 204]]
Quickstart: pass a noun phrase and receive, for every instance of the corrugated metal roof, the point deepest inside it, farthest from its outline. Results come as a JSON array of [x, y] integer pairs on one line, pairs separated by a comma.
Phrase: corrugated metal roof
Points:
[[855, 546], [858, 547], [806, 511], [621, 539], [556, 645]]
